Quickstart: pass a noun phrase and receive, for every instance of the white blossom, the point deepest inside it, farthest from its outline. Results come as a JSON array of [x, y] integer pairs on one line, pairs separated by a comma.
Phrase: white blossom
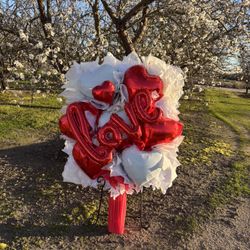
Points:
[[18, 64], [41, 58], [65, 68], [23, 36], [39, 45], [31, 56], [21, 75], [10, 45]]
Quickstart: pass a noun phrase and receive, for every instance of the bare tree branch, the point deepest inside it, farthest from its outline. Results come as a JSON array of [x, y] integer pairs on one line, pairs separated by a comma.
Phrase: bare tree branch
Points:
[[125, 39], [48, 11], [96, 16], [137, 8], [43, 17], [121, 24], [110, 12], [142, 29]]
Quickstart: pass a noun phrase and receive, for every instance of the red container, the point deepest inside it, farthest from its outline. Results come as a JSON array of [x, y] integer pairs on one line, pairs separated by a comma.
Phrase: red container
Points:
[[117, 214]]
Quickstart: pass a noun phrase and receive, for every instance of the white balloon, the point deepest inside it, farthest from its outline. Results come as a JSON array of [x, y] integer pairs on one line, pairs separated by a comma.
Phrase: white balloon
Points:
[[141, 166]]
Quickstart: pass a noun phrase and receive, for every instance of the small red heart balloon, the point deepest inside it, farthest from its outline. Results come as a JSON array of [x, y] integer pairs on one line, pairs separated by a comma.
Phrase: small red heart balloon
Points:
[[162, 131], [137, 78], [92, 168], [105, 92]]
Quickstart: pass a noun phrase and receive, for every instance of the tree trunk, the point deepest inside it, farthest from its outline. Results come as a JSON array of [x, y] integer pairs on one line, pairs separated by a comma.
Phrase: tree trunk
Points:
[[126, 42], [2, 82]]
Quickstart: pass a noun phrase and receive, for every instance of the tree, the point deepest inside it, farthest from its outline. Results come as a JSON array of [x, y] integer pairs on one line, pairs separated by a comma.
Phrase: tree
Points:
[[245, 64], [40, 39]]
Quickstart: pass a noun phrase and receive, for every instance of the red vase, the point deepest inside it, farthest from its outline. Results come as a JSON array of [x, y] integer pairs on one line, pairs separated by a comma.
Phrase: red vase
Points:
[[117, 213]]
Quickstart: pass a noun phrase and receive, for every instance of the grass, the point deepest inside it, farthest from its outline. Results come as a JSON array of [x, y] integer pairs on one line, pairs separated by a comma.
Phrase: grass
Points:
[[233, 110], [26, 124], [25, 98], [82, 213]]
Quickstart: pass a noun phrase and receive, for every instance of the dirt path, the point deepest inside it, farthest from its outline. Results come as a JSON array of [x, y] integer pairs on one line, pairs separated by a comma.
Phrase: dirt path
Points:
[[229, 229]]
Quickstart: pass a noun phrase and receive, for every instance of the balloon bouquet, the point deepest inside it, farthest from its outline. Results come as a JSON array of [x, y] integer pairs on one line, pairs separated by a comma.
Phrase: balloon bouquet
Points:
[[121, 122]]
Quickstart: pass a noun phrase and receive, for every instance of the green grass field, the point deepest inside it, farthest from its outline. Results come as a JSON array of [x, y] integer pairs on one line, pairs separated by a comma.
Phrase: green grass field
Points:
[[234, 110], [23, 122]]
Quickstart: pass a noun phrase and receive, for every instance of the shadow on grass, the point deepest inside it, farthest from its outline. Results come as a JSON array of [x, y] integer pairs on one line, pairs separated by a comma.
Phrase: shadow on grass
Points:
[[244, 95], [35, 160], [38, 201], [28, 105], [10, 231]]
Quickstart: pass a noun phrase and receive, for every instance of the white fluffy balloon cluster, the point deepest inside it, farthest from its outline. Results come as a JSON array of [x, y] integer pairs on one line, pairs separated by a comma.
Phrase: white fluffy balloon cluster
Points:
[[156, 168]]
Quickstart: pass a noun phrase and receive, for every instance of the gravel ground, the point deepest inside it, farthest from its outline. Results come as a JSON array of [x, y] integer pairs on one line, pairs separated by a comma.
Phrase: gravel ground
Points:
[[229, 229]]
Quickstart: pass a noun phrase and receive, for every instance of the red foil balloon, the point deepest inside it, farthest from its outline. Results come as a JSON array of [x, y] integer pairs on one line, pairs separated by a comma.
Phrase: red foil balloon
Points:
[[109, 135], [82, 107], [91, 167], [105, 92], [133, 131], [124, 144], [137, 78], [80, 128], [64, 127], [145, 107], [162, 131], [78, 122]]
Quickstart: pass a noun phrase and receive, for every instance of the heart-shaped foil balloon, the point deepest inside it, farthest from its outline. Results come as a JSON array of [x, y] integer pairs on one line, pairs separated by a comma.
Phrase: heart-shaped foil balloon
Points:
[[137, 78], [163, 131], [104, 92], [90, 166]]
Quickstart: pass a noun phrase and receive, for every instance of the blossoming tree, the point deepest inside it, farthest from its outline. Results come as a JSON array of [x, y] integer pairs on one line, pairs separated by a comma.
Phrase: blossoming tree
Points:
[[40, 39]]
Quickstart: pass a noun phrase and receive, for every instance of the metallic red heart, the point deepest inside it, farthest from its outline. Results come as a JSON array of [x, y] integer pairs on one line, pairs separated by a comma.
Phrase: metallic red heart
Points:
[[137, 78], [91, 167], [105, 92], [162, 131]]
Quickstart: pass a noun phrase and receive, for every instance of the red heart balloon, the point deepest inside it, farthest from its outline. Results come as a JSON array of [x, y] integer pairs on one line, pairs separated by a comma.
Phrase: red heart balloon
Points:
[[91, 167], [105, 92], [162, 131], [137, 78]]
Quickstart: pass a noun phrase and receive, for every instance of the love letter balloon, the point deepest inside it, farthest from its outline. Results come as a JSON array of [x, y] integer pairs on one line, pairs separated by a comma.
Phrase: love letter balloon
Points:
[[131, 141]]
